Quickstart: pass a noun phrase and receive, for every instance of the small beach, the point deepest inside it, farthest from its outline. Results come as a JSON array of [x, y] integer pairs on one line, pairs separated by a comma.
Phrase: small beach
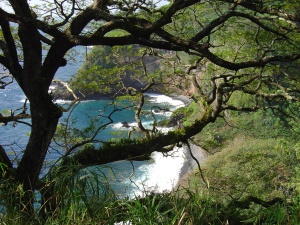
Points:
[[190, 164]]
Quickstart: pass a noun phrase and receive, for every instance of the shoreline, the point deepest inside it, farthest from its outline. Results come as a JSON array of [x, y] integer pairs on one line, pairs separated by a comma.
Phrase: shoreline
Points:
[[190, 165], [60, 92], [185, 99]]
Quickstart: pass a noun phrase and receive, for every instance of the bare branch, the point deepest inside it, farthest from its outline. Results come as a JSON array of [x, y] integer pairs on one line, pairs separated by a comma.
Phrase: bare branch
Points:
[[258, 6], [76, 99], [111, 152], [3, 79], [198, 164], [13, 118]]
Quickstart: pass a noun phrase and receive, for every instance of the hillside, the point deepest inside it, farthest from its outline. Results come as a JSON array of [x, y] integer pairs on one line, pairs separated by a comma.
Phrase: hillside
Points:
[[250, 175]]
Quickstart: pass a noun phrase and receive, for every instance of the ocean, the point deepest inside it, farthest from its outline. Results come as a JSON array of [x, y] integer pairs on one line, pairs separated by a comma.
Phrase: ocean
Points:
[[159, 174]]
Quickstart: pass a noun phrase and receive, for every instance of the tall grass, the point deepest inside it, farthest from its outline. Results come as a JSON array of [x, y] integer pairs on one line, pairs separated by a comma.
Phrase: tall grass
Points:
[[186, 206], [266, 169]]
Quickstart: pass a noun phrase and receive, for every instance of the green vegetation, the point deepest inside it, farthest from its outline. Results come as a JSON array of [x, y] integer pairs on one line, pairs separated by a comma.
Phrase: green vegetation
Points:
[[111, 70], [253, 176], [252, 181]]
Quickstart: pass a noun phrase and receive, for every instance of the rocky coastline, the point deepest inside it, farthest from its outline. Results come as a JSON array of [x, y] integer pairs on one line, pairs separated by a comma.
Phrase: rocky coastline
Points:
[[59, 91]]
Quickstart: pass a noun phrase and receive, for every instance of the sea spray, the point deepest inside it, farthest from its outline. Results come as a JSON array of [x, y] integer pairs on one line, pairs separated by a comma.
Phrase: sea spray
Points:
[[160, 174], [166, 100]]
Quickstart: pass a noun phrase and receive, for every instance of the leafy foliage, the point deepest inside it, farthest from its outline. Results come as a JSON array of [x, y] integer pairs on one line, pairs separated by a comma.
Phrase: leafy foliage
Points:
[[109, 71]]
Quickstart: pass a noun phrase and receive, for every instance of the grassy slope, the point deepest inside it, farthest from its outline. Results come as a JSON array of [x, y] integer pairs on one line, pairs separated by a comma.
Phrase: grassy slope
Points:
[[254, 155]]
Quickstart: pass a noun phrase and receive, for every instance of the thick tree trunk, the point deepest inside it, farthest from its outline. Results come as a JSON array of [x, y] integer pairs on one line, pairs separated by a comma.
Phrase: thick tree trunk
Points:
[[45, 115]]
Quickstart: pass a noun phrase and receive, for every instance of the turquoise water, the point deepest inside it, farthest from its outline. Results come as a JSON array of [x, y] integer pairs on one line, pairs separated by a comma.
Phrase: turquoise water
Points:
[[133, 178], [126, 178], [159, 174]]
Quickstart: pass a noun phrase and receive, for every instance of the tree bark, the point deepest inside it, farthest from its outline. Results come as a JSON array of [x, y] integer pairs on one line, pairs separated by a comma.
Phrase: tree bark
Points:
[[112, 152], [45, 115]]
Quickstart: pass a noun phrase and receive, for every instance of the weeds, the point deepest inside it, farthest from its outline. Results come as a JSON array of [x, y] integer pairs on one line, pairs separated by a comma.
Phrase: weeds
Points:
[[263, 168]]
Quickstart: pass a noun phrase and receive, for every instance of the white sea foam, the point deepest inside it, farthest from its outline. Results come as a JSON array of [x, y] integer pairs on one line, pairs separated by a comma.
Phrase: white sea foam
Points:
[[162, 112], [163, 174], [62, 101], [23, 99], [164, 99], [52, 87], [165, 130], [129, 125], [134, 124], [120, 126]]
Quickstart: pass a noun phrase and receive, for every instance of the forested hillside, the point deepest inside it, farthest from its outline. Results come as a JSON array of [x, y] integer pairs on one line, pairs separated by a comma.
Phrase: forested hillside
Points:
[[108, 71]]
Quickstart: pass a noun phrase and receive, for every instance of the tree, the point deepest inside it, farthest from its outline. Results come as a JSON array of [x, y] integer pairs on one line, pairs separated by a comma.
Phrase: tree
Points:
[[215, 35]]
